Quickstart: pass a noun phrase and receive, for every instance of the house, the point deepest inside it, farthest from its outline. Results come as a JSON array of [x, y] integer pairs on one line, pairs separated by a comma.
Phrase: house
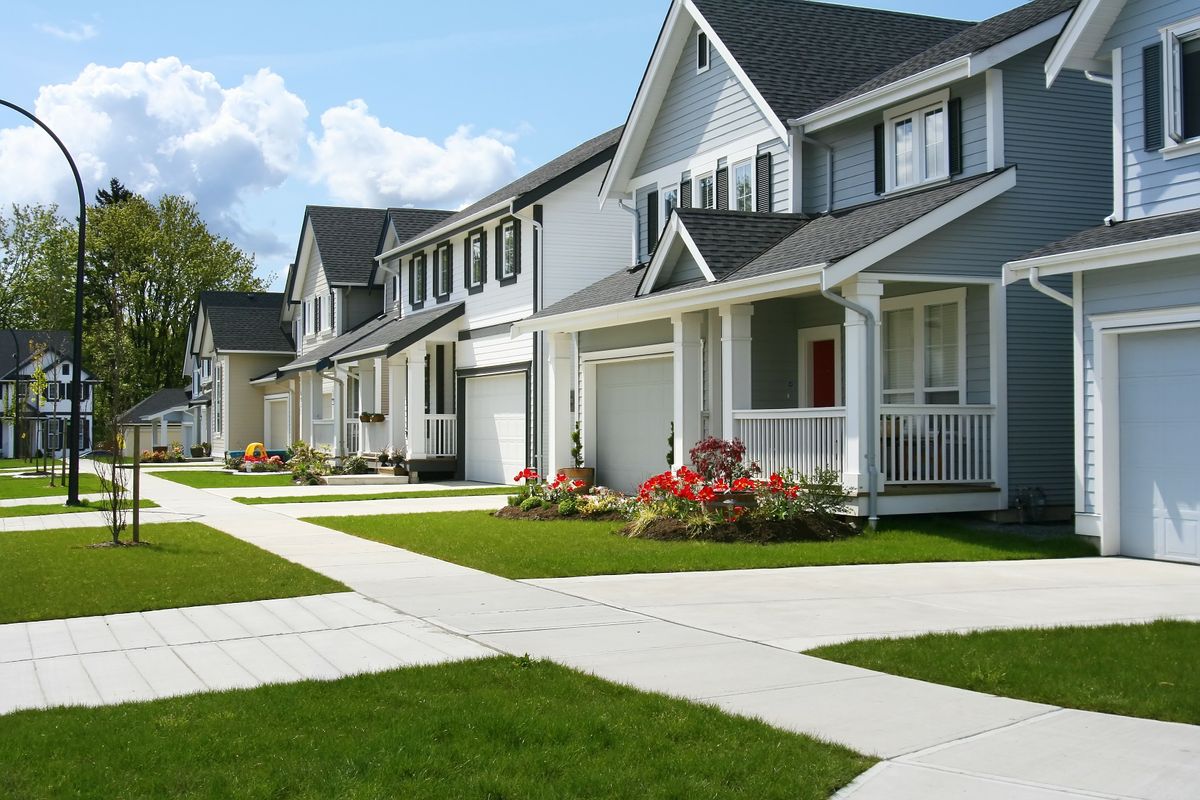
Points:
[[1134, 281], [234, 338], [162, 419], [403, 318], [30, 425], [825, 197]]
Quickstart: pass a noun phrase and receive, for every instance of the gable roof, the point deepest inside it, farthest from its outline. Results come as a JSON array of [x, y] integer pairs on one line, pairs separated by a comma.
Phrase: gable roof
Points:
[[348, 240], [1078, 47], [246, 322], [801, 55], [161, 401], [57, 341], [532, 186], [728, 239], [409, 222]]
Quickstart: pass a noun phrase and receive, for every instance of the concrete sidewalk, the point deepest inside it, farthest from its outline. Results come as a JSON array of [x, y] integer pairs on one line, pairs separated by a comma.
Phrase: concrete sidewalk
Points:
[[310, 491], [86, 519], [937, 741]]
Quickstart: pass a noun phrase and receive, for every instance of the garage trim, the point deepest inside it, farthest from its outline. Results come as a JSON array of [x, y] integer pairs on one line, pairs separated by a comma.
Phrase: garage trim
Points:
[[1106, 329], [589, 362], [460, 469]]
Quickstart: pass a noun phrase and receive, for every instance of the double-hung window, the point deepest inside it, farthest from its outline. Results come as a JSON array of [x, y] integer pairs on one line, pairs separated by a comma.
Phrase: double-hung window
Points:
[[508, 249], [743, 186], [441, 274], [917, 143], [924, 358], [417, 290], [477, 269], [1181, 49], [706, 188]]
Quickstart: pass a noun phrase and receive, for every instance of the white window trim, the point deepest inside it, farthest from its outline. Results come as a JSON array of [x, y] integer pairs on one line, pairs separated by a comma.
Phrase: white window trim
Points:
[[805, 338], [916, 109], [664, 213], [52, 392], [471, 240], [918, 302], [702, 37], [507, 270], [1173, 37], [442, 263], [749, 164], [420, 265], [697, 192]]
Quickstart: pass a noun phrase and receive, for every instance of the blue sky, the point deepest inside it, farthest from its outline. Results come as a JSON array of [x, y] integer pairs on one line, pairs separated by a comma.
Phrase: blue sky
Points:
[[257, 109]]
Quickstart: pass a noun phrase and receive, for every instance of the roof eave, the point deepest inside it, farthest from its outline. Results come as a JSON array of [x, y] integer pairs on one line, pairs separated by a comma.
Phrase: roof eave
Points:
[[435, 235], [1066, 52], [1181, 245]]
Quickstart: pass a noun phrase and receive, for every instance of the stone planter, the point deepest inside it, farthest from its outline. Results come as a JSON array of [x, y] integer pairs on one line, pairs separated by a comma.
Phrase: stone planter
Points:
[[585, 474], [197, 451], [732, 500]]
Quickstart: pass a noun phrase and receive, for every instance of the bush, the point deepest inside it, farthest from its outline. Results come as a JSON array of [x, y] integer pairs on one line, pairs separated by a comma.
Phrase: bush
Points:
[[721, 460], [569, 506], [234, 462], [355, 465], [308, 464], [530, 503]]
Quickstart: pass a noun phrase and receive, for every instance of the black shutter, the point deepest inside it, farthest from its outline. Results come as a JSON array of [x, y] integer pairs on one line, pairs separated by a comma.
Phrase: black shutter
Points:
[[412, 281], [651, 223], [333, 312], [685, 194], [723, 189], [954, 129], [1152, 97], [880, 164], [498, 238], [467, 263], [763, 196], [448, 254]]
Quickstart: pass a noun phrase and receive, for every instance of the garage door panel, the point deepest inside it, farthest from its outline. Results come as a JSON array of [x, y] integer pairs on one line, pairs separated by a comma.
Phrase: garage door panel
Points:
[[1160, 444], [634, 407], [495, 428]]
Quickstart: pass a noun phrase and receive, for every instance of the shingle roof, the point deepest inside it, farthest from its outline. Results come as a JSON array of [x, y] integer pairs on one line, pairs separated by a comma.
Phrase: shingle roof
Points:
[[729, 239], [348, 241], [826, 239], [156, 403], [800, 54], [247, 321], [1138, 230], [588, 155], [58, 341], [408, 222], [979, 37]]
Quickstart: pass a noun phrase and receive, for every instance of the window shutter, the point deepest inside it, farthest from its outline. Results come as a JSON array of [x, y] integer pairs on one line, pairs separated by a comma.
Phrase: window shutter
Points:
[[483, 256], [763, 200], [651, 223], [1152, 97], [954, 130], [723, 189], [685, 194], [467, 263], [498, 239], [880, 161], [412, 281], [333, 311]]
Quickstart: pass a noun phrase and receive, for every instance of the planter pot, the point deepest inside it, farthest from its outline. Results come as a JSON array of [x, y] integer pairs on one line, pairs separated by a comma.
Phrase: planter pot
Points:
[[732, 500], [585, 474], [197, 451], [364, 417], [378, 418]]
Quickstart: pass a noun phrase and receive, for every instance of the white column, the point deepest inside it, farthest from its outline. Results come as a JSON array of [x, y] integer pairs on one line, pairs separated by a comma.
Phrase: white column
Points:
[[397, 373], [164, 431], [712, 355], [338, 412], [735, 364], [559, 420], [307, 406], [688, 383], [416, 401], [860, 408]]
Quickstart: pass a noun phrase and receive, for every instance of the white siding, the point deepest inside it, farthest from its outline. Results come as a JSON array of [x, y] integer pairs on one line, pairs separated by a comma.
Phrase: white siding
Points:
[[583, 244]]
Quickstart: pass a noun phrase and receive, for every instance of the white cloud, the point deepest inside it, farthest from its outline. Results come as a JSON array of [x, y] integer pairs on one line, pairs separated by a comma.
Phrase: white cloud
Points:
[[160, 127], [364, 162], [79, 32]]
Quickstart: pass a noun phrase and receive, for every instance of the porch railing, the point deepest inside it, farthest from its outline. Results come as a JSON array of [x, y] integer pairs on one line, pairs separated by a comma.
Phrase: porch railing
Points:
[[353, 434], [937, 444], [441, 434], [801, 439]]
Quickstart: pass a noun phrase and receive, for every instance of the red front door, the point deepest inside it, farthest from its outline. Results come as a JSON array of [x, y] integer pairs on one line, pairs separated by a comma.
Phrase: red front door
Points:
[[824, 377]]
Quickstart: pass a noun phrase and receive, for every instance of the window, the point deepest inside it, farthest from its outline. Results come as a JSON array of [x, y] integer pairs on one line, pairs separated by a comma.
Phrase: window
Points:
[[923, 353], [66, 370], [54, 431], [477, 256], [703, 52], [218, 399], [743, 186], [442, 274], [508, 250], [670, 202], [52, 391], [1181, 44], [706, 188], [917, 145], [418, 280], [396, 288]]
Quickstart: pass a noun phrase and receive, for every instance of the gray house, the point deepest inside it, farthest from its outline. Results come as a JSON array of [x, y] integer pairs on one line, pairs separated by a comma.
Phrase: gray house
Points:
[[1135, 281], [825, 197]]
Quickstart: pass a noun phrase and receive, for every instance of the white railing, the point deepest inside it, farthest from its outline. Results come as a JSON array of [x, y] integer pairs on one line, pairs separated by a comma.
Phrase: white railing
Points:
[[801, 439], [353, 432], [323, 433], [937, 444], [441, 434]]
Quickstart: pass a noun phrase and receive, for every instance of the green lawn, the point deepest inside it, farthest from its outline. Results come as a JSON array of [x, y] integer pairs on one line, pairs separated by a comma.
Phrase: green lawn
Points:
[[346, 498], [1134, 670], [11, 487], [55, 574], [524, 549], [20, 463], [44, 509], [499, 729], [215, 479]]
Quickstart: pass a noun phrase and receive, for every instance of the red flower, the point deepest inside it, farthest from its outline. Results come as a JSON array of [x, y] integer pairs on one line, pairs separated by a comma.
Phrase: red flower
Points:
[[720, 486], [527, 474], [743, 485]]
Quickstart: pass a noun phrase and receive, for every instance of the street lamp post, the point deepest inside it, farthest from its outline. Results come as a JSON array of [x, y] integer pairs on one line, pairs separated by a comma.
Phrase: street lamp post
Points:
[[77, 343]]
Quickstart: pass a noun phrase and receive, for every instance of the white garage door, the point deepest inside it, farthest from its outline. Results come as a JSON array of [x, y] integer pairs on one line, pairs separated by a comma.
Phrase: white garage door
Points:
[[495, 446], [634, 406], [1160, 444]]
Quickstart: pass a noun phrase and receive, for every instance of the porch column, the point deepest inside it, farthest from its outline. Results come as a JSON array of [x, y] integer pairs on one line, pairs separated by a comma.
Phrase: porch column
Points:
[[860, 408], [688, 383], [397, 407], [735, 364], [306, 407], [338, 411], [416, 401], [165, 431], [559, 380]]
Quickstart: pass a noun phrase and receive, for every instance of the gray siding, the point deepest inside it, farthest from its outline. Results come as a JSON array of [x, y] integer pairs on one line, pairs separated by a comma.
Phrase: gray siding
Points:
[[1153, 185], [1107, 291], [699, 112], [657, 331], [643, 208], [360, 304], [774, 355], [686, 269]]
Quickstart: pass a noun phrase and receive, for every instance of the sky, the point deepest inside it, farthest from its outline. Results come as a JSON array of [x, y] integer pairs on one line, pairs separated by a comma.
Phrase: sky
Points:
[[254, 109]]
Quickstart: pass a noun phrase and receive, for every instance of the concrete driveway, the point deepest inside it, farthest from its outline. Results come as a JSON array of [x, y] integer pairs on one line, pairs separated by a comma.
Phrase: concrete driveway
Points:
[[797, 609]]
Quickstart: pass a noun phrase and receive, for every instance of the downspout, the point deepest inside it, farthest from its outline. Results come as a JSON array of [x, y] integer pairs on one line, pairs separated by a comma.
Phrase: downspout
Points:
[[1104, 80], [872, 418], [801, 136], [637, 231], [1035, 280]]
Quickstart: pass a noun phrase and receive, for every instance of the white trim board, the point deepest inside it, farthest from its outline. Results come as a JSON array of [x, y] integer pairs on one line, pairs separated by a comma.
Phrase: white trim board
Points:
[[805, 337], [1091, 17], [668, 249], [1182, 245]]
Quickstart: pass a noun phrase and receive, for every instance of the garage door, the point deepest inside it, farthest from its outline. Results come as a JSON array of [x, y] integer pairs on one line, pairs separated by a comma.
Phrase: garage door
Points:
[[634, 406], [495, 445], [1160, 444]]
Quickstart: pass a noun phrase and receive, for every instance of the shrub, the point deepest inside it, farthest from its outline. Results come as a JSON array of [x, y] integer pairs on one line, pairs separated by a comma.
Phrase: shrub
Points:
[[308, 464], [549, 494], [234, 462], [530, 503], [605, 501], [721, 460], [355, 465], [569, 506]]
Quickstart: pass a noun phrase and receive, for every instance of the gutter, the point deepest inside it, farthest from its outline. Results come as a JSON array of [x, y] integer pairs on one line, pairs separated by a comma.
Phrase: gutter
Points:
[[801, 136], [1105, 80], [1035, 280], [871, 417]]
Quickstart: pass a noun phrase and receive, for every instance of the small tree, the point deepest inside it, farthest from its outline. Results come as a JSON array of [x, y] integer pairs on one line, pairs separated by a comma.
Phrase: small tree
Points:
[[577, 446], [111, 362], [38, 384]]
